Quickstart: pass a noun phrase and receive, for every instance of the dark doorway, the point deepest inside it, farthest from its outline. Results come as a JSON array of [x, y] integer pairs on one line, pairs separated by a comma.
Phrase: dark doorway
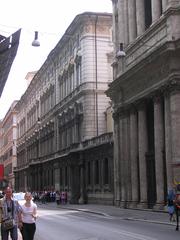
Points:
[[150, 156], [151, 181], [148, 15]]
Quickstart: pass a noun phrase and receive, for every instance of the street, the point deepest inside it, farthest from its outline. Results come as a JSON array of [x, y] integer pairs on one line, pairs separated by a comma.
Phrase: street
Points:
[[57, 223]]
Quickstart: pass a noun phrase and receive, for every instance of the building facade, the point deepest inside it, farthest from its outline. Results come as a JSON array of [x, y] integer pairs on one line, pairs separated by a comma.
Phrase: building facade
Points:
[[8, 49], [8, 138], [64, 135], [146, 101]]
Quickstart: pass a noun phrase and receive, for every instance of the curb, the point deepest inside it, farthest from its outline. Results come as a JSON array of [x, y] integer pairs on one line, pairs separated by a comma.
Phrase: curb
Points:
[[150, 221], [123, 218], [86, 210]]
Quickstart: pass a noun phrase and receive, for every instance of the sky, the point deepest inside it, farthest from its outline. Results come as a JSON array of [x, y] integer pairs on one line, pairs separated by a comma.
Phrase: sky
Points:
[[50, 18]]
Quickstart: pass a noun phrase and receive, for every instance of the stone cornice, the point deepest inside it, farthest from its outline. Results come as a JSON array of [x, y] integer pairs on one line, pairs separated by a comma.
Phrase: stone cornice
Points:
[[172, 87], [160, 59]]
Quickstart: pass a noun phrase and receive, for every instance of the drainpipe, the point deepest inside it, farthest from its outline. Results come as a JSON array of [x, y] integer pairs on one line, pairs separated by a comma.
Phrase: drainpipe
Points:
[[96, 78]]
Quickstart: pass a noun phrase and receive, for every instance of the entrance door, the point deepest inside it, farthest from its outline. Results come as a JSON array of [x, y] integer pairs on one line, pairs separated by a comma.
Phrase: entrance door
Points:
[[151, 180]]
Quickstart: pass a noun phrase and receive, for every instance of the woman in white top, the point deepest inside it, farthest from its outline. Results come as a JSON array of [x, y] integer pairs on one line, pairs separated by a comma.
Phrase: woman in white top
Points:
[[28, 217]]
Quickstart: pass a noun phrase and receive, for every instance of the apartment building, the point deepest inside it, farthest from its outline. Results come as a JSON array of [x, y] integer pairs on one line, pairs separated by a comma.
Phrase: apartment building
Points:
[[8, 137], [64, 129], [146, 101]]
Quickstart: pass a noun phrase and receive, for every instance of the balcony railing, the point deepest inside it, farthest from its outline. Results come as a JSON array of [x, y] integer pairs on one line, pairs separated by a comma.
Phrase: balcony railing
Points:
[[90, 143]]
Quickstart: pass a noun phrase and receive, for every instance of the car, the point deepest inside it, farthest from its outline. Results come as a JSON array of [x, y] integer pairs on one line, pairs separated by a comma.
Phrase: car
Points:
[[19, 196], [1, 194]]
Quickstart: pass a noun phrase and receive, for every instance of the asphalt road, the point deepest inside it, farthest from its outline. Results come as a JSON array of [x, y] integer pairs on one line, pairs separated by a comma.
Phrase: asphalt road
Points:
[[57, 224]]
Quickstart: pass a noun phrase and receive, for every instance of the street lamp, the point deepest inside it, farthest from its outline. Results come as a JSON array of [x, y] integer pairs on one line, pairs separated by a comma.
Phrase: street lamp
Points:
[[36, 42], [120, 53]]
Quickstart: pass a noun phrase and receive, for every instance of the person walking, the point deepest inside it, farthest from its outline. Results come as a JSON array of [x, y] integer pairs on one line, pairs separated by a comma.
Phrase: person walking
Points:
[[10, 215], [170, 204], [58, 197], [28, 217]]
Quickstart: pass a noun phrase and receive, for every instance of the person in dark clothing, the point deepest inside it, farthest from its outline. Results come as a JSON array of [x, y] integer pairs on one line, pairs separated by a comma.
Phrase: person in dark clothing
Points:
[[9, 210], [170, 204]]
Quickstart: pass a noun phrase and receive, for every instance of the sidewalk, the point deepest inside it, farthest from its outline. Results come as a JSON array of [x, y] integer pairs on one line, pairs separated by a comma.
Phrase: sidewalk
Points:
[[153, 216]]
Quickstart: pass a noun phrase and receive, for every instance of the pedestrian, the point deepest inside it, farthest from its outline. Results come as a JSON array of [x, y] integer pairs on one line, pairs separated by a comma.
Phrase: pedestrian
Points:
[[28, 217], [170, 204], [63, 197], [177, 205], [58, 197], [10, 215]]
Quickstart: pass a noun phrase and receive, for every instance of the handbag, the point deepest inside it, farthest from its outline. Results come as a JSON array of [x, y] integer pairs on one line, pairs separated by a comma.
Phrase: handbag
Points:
[[8, 224]]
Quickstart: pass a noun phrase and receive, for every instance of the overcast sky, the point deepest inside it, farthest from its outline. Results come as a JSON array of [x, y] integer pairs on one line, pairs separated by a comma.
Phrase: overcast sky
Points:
[[50, 18]]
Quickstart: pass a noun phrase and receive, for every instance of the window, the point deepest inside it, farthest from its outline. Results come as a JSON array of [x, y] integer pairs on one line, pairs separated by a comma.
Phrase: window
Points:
[[78, 74], [148, 14], [78, 40], [10, 152]]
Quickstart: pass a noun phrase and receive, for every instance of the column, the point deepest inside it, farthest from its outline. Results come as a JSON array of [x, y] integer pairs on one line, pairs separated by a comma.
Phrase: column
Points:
[[164, 5], [25, 181], [126, 24], [56, 176], [159, 147], [127, 164], [122, 168], [114, 10], [121, 22], [143, 147], [168, 153], [116, 162], [82, 183], [132, 20], [175, 130], [134, 156], [156, 9], [140, 17]]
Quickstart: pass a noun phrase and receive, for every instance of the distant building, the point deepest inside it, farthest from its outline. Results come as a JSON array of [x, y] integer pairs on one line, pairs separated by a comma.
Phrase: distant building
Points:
[[64, 129], [8, 137], [30, 76]]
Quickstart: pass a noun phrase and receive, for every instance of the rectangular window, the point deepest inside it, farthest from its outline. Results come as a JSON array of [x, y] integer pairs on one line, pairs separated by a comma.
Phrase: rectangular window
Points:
[[148, 15]]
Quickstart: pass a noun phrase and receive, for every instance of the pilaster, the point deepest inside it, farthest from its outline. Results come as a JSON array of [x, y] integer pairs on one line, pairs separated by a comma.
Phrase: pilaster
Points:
[[168, 153], [134, 157], [116, 162], [159, 147], [143, 147], [132, 20], [140, 17], [156, 9]]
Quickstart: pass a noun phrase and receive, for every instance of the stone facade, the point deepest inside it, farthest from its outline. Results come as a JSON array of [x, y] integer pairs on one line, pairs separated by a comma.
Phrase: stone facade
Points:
[[63, 109], [145, 95], [8, 138]]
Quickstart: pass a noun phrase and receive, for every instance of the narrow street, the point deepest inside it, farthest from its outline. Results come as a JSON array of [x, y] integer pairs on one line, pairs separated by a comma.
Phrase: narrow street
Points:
[[58, 223]]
